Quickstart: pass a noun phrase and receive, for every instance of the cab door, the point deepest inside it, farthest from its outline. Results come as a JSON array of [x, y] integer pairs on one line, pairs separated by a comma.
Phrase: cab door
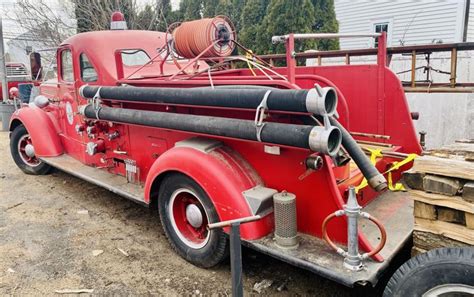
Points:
[[67, 83]]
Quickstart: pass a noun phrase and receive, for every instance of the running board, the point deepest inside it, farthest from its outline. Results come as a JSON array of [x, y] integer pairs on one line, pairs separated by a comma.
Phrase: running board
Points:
[[112, 182]]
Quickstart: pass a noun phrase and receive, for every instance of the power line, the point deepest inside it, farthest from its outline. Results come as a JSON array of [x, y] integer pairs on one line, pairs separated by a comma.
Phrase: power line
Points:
[[39, 40]]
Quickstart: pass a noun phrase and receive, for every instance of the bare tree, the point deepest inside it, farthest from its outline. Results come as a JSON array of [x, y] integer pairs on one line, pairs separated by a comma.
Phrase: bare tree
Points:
[[43, 23], [95, 15], [51, 21]]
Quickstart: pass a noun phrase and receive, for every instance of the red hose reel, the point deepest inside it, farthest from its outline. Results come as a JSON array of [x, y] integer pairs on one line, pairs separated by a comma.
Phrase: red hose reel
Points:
[[209, 37]]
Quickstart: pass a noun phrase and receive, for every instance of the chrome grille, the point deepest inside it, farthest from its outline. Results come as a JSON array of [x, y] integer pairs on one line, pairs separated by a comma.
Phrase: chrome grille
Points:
[[16, 70]]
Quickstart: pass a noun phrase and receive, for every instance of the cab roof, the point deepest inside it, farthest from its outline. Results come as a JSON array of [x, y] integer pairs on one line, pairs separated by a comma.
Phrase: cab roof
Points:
[[100, 46], [110, 40]]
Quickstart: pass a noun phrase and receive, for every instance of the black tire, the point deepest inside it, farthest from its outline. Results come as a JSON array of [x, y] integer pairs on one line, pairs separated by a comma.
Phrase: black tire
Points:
[[216, 249], [40, 168], [430, 270]]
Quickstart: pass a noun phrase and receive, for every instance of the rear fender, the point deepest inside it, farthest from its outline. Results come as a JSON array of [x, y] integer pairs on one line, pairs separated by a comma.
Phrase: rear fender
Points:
[[221, 172], [42, 129]]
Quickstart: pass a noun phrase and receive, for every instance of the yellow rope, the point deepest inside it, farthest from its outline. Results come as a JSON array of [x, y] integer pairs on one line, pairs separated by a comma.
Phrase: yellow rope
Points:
[[249, 56]]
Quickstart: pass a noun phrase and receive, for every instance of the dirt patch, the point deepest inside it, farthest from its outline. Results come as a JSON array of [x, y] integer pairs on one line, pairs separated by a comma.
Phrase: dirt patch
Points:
[[50, 225]]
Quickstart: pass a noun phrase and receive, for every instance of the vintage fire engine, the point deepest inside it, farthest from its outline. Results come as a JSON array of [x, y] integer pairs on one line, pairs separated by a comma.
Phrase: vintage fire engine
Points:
[[162, 119]]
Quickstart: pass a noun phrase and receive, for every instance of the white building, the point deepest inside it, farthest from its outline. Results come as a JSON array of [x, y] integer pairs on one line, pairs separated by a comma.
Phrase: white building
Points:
[[446, 117], [407, 22], [21, 46]]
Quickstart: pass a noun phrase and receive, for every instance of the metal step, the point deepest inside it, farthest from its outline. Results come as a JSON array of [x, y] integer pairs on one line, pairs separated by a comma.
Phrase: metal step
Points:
[[394, 210], [112, 182]]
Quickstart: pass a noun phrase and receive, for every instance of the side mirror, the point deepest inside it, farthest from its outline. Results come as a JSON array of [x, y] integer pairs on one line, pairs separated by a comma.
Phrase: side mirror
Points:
[[35, 66]]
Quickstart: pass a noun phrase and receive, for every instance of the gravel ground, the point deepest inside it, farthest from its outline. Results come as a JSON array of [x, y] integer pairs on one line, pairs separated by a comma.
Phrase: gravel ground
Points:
[[58, 232]]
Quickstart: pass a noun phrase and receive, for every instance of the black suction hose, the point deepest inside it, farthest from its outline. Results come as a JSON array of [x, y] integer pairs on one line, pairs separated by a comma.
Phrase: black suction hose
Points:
[[288, 100], [375, 179], [319, 101], [276, 133]]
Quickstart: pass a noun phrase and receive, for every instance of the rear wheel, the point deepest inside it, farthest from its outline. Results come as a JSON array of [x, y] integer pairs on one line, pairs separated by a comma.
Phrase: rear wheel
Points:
[[439, 272], [185, 211], [23, 153]]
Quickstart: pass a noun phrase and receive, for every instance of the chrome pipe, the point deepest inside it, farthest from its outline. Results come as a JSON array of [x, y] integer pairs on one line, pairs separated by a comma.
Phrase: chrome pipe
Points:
[[234, 221], [283, 38]]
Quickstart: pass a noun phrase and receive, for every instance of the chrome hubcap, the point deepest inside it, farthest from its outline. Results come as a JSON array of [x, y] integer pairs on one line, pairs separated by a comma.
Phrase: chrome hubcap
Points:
[[194, 215], [189, 218], [26, 151], [30, 150]]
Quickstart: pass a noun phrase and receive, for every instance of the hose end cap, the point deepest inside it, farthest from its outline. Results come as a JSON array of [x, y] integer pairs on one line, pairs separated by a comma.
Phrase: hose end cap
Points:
[[82, 109], [325, 140], [378, 182], [81, 91], [321, 101]]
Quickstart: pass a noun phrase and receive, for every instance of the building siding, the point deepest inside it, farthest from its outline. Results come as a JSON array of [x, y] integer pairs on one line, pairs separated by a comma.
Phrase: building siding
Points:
[[470, 23], [413, 22]]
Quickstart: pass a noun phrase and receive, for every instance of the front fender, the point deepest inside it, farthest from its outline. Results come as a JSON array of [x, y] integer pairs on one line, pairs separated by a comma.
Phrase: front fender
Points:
[[223, 174], [42, 129]]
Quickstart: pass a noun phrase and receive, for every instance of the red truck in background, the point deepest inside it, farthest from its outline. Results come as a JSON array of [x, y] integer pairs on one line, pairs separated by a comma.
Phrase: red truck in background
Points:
[[16, 73], [162, 119]]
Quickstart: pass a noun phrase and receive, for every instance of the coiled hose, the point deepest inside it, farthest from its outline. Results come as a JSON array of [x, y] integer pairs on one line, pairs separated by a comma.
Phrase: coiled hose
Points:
[[214, 34]]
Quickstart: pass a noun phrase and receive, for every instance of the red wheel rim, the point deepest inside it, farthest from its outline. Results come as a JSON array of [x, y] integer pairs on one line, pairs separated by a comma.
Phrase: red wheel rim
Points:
[[189, 218], [24, 150]]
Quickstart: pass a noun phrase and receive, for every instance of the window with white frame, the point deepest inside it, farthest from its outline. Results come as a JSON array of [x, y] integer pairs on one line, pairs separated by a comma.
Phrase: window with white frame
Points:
[[380, 27]]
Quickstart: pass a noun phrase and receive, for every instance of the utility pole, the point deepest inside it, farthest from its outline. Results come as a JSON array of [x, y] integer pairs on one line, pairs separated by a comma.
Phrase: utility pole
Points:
[[3, 68]]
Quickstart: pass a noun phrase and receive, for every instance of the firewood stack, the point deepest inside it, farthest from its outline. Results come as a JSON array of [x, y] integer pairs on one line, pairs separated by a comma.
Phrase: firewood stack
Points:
[[441, 183]]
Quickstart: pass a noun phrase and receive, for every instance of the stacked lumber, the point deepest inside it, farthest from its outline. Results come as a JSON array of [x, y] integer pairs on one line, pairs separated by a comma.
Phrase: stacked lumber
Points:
[[441, 183]]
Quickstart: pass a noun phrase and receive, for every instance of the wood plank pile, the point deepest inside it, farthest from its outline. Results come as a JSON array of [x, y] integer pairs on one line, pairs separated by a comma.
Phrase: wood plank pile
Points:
[[441, 183]]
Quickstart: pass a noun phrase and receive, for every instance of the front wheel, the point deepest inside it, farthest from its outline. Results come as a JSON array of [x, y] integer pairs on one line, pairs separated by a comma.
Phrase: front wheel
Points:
[[23, 153], [439, 272], [185, 211]]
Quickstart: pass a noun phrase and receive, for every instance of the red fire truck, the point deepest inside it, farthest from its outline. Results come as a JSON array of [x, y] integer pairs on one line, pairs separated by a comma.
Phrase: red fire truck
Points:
[[16, 73], [162, 119]]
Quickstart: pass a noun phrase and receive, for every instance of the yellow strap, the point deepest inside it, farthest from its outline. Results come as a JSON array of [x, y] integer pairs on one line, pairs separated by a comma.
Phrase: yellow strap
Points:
[[395, 165], [373, 159], [249, 56], [374, 154], [397, 187]]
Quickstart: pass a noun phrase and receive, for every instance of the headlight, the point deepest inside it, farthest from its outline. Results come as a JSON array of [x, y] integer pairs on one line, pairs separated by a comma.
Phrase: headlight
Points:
[[14, 93]]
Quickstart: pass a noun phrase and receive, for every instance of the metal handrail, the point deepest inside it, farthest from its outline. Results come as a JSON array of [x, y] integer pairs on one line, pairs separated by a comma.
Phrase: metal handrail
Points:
[[411, 86], [432, 48], [283, 38]]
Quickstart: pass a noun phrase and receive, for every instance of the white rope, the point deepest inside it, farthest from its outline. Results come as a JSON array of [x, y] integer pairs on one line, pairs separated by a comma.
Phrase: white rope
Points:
[[210, 78], [260, 115], [260, 66]]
